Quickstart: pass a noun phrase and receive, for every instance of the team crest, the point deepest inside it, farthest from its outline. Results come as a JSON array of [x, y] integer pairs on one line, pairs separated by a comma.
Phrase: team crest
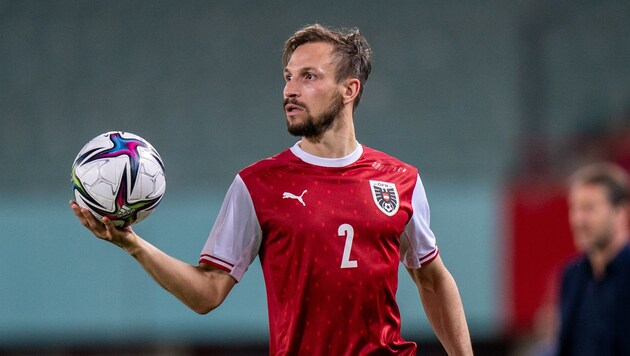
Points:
[[385, 196]]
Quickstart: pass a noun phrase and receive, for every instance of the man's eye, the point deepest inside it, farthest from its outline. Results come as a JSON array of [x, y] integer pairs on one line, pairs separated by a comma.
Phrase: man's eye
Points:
[[309, 76]]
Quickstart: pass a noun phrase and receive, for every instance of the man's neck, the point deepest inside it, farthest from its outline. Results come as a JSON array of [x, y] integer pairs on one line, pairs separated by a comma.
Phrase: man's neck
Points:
[[601, 258], [339, 141]]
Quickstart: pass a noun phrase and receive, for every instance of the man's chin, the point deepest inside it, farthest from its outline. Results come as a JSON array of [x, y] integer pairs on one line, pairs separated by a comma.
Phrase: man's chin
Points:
[[299, 129], [585, 244], [294, 130]]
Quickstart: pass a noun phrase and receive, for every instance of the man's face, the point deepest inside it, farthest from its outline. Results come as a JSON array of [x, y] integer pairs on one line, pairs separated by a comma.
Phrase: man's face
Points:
[[312, 96], [592, 217]]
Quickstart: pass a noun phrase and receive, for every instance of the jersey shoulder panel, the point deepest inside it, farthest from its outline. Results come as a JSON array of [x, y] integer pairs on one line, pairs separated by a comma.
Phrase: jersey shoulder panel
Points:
[[274, 163], [386, 163]]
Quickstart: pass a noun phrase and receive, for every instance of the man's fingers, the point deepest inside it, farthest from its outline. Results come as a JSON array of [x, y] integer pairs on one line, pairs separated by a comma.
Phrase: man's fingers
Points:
[[109, 226], [91, 220], [77, 212], [87, 219], [102, 228]]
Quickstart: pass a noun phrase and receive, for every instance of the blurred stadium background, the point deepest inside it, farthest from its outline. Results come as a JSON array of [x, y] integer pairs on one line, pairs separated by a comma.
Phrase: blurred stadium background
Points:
[[495, 101]]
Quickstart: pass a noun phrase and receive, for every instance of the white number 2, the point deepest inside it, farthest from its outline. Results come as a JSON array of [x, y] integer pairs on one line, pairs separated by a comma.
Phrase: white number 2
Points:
[[347, 231]]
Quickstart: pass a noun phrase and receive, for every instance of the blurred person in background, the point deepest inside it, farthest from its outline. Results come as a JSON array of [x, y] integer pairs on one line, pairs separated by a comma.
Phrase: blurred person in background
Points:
[[330, 219], [594, 299]]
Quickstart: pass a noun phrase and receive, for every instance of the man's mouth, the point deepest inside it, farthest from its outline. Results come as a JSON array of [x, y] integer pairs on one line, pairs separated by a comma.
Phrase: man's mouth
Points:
[[292, 108], [291, 105]]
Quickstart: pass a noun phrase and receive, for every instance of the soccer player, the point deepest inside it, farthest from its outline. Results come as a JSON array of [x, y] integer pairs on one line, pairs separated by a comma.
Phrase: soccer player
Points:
[[595, 290], [329, 218]]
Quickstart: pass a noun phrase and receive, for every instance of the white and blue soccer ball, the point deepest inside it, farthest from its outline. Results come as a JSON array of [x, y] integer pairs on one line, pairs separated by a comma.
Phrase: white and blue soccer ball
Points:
[[118, 175]]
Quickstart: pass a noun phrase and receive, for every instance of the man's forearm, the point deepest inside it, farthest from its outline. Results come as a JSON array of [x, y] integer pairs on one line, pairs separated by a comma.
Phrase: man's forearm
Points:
[[444, 309]]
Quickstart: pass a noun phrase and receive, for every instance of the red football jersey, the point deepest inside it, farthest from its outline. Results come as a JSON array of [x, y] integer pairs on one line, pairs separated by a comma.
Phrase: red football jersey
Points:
[[330, 234]]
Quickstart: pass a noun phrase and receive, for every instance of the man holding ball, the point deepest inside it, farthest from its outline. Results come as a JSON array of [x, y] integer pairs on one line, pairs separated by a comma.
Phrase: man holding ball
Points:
[[329, 218]]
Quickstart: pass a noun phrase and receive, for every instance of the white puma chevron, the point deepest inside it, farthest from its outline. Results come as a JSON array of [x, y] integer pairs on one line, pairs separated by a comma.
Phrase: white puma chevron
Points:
[[293, 196]]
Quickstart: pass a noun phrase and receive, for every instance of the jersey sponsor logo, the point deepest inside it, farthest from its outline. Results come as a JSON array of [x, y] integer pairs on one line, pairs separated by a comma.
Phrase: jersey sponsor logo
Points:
[[385, 196], [287, 195]]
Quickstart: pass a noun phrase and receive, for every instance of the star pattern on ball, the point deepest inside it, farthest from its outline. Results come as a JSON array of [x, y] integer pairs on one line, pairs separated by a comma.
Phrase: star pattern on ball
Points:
[[123, 147], [110, 188]]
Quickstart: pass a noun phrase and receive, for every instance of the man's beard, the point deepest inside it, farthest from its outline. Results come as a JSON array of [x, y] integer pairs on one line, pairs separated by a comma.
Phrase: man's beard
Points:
[[593, 241], [313, 128]]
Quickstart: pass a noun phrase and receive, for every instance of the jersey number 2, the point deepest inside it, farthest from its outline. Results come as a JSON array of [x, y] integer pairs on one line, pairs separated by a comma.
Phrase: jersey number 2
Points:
[[347, 231]]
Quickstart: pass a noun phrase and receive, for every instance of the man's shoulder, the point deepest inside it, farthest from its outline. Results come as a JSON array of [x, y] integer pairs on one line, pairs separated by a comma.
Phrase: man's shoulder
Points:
[[385, 161], [624, 258], [577, 267], [274, 162], [575, 263]]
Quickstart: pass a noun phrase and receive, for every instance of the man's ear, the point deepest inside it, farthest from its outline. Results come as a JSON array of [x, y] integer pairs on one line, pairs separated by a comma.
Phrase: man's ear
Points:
[[351, 89]]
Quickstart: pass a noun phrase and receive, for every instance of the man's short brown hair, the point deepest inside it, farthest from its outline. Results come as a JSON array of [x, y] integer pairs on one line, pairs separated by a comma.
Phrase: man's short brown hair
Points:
[[352, 54], [610, 176]]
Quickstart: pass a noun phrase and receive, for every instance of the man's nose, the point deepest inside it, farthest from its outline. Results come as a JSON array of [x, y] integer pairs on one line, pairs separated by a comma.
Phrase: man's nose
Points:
[[290, 90]]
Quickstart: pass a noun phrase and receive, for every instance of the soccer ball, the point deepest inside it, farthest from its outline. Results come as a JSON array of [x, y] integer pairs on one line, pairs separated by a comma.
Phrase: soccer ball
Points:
[[118, 175]]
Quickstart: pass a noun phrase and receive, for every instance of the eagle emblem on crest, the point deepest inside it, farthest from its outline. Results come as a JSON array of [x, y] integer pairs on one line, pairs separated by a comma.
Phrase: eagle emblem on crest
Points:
[[385, 196]]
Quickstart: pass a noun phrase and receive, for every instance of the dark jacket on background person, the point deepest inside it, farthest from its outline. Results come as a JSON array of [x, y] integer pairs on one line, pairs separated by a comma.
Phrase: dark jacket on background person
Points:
[[595, 313]]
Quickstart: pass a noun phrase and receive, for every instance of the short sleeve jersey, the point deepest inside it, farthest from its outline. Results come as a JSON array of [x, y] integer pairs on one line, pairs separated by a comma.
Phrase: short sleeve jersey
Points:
[[330, 234]]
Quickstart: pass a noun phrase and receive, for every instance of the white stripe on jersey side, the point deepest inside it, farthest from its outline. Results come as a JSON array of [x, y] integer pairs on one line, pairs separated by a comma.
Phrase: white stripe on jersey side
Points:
[[429, 256], [216, 261]]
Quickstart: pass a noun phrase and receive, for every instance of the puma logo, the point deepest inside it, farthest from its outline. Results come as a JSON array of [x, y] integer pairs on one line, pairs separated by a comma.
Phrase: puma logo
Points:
[[293, 196]]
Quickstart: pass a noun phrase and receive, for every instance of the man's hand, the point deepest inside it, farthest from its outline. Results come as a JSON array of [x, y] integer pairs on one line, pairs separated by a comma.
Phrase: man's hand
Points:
[[104, 229]]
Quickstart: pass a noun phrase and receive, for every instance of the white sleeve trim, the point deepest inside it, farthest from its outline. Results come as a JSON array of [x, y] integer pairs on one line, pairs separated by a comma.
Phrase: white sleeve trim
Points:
[[417, 243], [236, 236]]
